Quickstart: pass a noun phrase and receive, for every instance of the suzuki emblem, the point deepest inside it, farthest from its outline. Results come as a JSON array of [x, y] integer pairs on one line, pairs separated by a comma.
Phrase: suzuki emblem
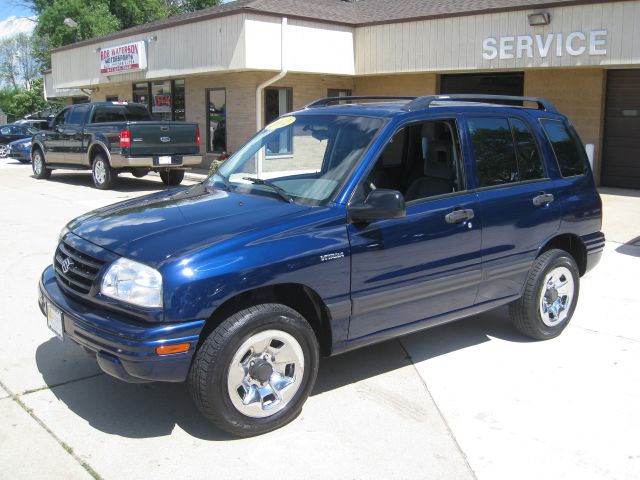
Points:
[[67, 263], [165, 139]]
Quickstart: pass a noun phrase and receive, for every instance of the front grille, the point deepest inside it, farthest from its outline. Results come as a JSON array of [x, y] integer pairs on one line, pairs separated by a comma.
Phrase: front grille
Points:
[[81, 269]]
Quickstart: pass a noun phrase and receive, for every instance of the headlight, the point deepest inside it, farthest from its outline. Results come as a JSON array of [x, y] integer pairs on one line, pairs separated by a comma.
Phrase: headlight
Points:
[[134, 283], [62, 233]]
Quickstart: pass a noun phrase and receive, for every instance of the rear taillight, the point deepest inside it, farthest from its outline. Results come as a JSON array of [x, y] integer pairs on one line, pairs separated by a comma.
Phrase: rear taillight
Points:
[[125, 139], [198, 136]]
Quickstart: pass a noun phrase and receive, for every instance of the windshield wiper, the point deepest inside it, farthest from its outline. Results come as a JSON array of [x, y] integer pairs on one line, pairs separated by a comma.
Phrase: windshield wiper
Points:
[[279, 190]]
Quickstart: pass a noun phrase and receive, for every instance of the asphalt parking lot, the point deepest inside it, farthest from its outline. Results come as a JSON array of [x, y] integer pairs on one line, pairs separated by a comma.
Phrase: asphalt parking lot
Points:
[[471, 399]]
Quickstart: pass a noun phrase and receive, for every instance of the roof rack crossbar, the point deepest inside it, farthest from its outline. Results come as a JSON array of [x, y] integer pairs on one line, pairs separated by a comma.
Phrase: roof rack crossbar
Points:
[[323, 102], [424, 102]]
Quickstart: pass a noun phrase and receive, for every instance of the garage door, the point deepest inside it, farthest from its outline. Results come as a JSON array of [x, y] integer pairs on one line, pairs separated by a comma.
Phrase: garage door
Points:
[[621, 152], [492, 83]]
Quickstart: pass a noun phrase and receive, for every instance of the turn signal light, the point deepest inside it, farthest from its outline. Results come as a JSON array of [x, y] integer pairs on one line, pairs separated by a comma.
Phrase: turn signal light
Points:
[[198, 137], [171, 349], [125, 138]]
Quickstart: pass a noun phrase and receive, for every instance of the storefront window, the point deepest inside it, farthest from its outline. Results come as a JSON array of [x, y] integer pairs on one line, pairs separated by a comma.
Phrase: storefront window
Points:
[[178, 100], [277, 102], [164, 99], [216, 120]]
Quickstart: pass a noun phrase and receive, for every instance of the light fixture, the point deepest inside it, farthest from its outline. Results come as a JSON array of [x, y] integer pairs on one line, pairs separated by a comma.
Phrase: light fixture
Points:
[[152, 38], [97, 49], [540, 18], [70, 22]]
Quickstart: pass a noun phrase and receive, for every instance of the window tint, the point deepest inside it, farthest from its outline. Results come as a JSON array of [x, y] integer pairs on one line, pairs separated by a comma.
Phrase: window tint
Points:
[[529, 161], [136, 113], [108, 114], [570, 159], [493, 148], [76, 117], [422, 160]]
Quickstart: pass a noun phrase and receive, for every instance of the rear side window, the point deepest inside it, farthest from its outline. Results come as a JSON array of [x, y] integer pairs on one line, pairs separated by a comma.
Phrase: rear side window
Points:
[[529, 162], [493, 148], [570, 159], [120, 113]]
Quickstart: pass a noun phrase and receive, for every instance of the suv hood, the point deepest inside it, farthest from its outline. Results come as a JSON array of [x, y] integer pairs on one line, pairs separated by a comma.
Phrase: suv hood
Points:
[[163, 225]]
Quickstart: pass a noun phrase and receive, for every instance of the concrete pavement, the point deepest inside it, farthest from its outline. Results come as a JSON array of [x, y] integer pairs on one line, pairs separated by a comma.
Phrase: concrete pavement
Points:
[[420, 407]]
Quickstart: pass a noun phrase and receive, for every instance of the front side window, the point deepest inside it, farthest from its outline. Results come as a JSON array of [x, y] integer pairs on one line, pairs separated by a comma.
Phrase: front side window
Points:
[[421, 160], [60, 118], [324, 151], [76, 117], [570, 158]]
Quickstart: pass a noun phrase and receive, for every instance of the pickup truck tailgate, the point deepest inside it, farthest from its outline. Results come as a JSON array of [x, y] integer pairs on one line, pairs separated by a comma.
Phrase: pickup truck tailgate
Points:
[[163, 138]]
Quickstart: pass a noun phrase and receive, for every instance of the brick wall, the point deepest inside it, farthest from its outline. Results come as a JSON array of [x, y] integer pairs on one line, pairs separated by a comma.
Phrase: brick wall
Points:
[[241, 93], [410, 85], [578, 94], [124, 91]]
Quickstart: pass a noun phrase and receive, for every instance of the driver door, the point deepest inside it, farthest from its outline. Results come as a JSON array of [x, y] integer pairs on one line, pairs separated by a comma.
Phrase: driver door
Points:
[[415, 269], [53, 139]]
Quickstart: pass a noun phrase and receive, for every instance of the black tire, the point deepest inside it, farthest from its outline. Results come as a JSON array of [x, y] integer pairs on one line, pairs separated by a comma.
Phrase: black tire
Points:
[[172, 177], [103, 175], [209, 382], [527, 312], [39, 166], [139, 172]]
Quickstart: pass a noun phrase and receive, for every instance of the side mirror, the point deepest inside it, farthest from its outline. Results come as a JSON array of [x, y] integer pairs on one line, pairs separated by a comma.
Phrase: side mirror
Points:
[[380, 204]]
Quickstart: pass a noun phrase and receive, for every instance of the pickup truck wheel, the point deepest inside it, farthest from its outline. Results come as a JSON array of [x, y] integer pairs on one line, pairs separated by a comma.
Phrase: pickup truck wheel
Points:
[[38, 165], [104, 177], [253, 373], [172, 177], [550, 296]]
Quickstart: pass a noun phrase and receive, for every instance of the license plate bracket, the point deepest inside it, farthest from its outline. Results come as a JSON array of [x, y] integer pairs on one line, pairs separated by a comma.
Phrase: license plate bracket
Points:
[[55, 321]]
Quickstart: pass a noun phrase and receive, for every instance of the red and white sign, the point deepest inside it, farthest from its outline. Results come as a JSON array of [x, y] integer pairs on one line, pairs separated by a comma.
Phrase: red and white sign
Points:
[[126, 58]]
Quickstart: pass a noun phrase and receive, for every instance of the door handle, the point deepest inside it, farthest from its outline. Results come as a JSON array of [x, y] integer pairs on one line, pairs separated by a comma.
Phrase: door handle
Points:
[[459, 215], [543, 199]]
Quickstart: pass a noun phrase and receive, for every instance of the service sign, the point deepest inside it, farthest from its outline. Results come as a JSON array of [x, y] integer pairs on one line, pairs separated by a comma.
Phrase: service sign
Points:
[[126, 58]]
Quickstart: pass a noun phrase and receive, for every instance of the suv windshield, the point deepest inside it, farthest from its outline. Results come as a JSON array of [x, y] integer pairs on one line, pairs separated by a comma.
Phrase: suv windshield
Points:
[[305, 157]]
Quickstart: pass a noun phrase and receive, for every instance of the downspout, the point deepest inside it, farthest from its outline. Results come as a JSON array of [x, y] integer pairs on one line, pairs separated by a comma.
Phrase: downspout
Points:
[[265, 84]]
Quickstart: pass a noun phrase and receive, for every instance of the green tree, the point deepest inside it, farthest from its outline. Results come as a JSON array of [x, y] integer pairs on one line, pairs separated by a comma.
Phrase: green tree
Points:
[[18, 103], [18, 66]]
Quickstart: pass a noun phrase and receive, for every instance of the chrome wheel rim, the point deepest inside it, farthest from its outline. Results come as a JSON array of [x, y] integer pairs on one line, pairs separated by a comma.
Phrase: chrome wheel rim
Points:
[[37, 164], [4, 151], [265, 373], [556, 296], [99, 172]]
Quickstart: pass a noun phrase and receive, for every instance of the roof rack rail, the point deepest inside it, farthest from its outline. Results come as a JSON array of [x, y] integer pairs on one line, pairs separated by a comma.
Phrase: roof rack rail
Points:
[[323, 102], [424, 102]]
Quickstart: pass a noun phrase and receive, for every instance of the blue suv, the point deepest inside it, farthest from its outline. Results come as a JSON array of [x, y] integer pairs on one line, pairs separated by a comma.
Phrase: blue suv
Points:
[[350, 222]]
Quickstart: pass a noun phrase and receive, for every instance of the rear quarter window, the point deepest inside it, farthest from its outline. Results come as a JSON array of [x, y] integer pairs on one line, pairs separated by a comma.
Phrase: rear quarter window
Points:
[[568, 152]]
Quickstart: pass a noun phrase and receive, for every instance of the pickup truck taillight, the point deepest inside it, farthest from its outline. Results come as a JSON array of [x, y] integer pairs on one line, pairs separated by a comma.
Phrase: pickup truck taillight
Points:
[[198, 136], [125, 139]]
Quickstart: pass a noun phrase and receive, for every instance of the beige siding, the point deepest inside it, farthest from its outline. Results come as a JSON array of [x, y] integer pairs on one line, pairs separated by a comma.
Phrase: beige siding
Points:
[[124, 91], [455, 44], [578, 94], [206, 46]]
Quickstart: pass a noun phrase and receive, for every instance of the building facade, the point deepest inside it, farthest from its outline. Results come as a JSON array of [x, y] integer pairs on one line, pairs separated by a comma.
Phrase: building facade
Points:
[[235, 67]]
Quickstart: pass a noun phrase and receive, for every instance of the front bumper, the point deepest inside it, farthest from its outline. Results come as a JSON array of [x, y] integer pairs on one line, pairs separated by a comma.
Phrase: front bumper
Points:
[[124, 348], [20, 154], [119, 161]]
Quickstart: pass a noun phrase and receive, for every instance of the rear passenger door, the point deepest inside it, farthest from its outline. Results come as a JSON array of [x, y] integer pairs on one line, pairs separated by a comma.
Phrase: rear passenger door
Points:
[[518, 202], [408, 272]]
